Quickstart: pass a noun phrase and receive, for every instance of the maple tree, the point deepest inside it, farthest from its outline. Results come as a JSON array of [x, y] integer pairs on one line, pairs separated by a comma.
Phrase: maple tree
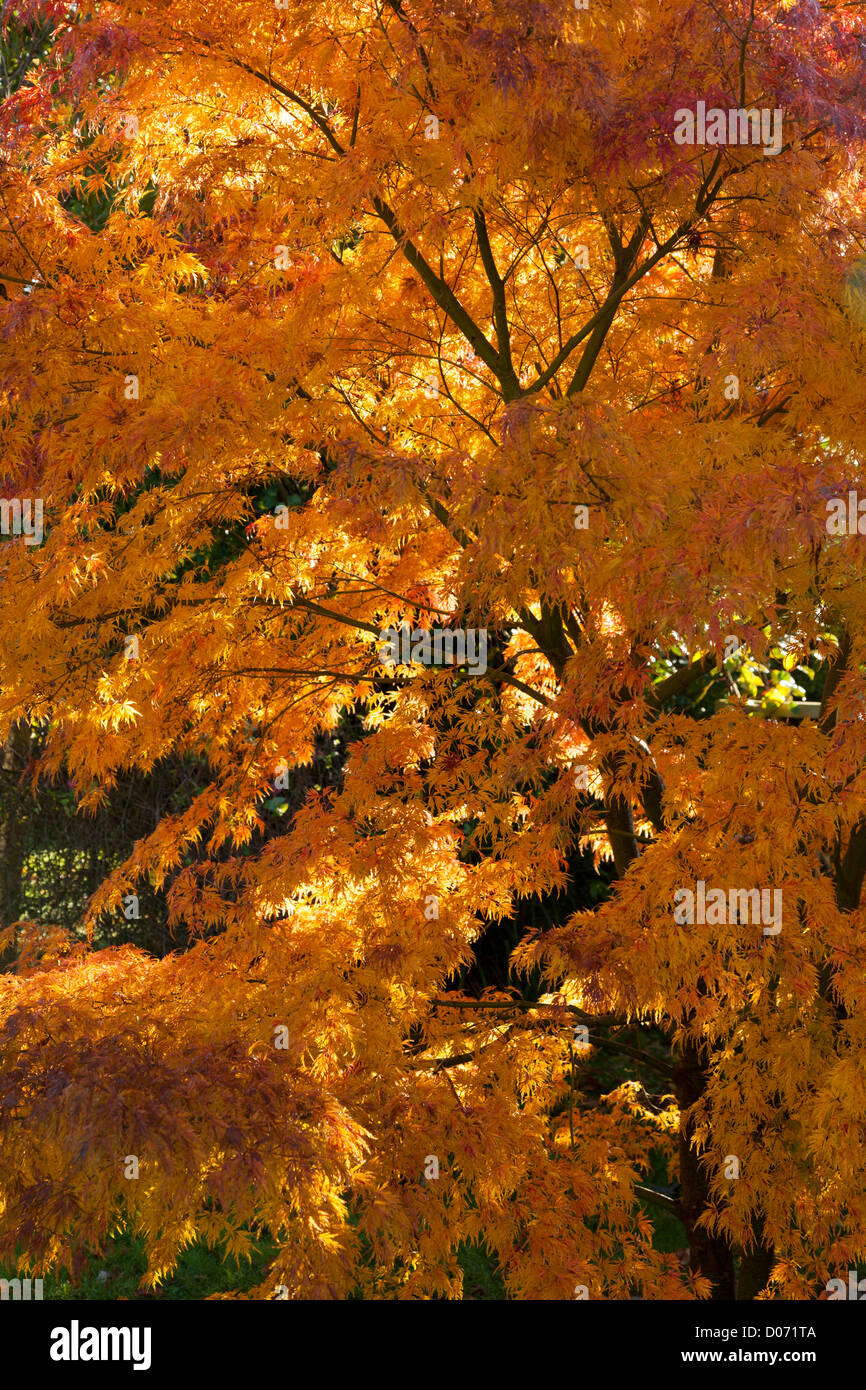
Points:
[[500, 355]]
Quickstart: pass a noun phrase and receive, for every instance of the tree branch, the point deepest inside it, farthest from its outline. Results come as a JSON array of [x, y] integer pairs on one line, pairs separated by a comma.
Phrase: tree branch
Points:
[[658, 1199], [511, 385], [679, 681]]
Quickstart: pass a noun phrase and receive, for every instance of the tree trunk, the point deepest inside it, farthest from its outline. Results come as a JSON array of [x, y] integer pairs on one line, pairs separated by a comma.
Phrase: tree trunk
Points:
[[754, 1265]]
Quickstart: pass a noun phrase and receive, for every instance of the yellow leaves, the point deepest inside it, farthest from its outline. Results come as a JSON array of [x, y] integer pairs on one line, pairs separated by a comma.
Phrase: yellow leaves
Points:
[[94, 565], [645, 1226], [329, 1241], [354, 390], [700, 1285], [40, 947], [120, 714], [187, 267]]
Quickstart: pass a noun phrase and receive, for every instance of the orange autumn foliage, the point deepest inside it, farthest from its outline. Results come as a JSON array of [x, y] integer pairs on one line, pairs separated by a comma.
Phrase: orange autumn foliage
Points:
[[446, 268]]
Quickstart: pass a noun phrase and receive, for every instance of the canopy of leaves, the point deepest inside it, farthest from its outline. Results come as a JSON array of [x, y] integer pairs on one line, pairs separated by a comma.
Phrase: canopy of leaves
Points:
[[437, 285]]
